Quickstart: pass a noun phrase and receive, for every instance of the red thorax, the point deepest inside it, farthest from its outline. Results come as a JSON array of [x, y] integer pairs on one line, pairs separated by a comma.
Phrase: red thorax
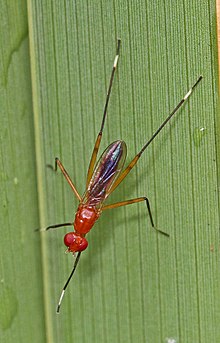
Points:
[[84, 220]]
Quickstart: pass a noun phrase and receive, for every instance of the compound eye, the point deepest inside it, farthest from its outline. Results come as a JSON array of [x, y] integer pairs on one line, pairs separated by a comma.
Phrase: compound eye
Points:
[[69, 239], [75, 242]]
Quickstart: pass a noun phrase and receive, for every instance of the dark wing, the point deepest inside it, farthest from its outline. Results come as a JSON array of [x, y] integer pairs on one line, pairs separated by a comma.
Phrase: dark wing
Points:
[[105, 173]]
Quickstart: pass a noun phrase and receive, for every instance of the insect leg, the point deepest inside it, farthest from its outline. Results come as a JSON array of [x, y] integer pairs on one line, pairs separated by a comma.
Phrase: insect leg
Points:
[[136, 158], [66, 175], [133, 201], [55, 226], [124, 203], [99, 137]]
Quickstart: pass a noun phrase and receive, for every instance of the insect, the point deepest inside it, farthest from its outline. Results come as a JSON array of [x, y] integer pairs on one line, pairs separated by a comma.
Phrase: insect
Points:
[[103, 178]]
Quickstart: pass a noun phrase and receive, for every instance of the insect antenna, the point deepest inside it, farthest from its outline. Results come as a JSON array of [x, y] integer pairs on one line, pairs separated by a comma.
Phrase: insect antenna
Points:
[[68, 280]]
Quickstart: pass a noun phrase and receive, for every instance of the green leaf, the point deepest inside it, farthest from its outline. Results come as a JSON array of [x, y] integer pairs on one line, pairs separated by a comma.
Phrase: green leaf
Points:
[[131, 285], [21, 287]]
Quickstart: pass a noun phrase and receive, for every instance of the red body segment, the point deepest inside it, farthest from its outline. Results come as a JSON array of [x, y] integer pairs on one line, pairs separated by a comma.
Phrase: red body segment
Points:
[[105, 174], [85, 218], [75, 242], [103, 178]]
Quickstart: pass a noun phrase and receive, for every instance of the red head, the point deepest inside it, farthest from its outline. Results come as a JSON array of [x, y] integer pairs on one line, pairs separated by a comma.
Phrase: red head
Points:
[[75, 242]]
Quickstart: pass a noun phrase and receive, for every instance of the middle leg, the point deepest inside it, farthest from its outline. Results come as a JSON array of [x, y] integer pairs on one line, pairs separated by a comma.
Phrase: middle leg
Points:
[[67, 177], [133, 201]]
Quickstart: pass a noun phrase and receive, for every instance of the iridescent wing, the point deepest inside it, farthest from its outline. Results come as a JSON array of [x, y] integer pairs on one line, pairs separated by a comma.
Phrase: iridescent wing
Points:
[[105, 173]]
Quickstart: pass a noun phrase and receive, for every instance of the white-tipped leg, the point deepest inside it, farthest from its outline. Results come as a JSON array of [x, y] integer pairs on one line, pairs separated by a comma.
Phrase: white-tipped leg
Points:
[[116, 61], [168, 118], [191, 89], [188, 94], [99, 137]]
